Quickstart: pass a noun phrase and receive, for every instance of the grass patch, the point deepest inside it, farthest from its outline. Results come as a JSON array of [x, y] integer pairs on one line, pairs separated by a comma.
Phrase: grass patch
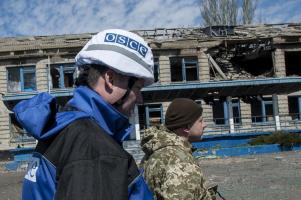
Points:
[[284, 139]]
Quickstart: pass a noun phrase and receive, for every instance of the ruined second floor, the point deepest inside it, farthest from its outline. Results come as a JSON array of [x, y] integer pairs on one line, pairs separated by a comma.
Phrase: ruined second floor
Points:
[[181, 55]]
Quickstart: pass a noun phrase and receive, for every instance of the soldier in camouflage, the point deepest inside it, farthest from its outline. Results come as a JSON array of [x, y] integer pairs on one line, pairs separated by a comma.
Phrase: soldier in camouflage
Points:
[[169, 167]]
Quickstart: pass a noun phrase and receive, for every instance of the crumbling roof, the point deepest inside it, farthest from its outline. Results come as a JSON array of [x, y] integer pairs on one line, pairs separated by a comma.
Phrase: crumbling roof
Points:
[[230, 32], [43, 42], [156, 35], [269, 30]]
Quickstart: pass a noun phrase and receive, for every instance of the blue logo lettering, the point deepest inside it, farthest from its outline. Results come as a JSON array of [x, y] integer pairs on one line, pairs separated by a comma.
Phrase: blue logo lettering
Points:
[[133, 44], [142, 50], [128, 42], [110, 37], [122, 40]]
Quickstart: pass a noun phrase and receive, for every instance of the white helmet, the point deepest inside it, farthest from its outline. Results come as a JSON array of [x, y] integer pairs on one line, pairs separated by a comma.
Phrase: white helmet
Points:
[[120, 50]]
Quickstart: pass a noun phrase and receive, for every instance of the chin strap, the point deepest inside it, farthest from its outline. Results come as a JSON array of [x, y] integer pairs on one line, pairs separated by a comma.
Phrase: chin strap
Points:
[[131, 83]]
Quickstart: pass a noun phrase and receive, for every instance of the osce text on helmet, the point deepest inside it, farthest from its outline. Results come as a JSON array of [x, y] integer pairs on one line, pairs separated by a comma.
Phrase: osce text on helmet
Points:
[[126, 41]]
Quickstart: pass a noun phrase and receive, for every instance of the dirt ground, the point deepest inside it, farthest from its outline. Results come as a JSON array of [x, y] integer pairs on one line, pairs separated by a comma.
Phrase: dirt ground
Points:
[[259, 177], [10, 185]]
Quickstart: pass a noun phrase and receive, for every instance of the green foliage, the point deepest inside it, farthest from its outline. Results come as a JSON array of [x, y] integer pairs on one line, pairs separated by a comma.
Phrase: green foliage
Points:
[[282, 138]]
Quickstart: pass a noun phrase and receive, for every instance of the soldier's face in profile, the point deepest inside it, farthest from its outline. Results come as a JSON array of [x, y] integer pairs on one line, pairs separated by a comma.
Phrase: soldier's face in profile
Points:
[[197, 129]]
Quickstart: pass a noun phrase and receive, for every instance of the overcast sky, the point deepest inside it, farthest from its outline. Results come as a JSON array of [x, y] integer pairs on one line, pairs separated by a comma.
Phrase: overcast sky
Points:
[[52, 17]]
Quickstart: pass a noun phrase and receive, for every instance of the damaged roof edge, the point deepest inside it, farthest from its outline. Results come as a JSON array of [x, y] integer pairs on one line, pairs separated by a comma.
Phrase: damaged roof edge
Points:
[[163, 34]]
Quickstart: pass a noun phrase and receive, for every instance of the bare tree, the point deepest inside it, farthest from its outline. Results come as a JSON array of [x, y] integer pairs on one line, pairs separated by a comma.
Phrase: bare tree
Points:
[[219, 12], [209, 12], [232, 10], [225, 12], [248, 9]]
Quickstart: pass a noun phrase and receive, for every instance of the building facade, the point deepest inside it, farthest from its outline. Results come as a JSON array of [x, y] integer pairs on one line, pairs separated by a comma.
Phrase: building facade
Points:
[[247, 78]]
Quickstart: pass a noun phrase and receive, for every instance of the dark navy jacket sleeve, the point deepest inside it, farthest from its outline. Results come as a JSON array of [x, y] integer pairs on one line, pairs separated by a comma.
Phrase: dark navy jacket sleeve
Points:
[[90, 164]]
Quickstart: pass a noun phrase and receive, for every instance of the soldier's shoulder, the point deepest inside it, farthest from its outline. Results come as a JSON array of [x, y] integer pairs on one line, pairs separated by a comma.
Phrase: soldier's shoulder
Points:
[[169, 153], [173, 159]]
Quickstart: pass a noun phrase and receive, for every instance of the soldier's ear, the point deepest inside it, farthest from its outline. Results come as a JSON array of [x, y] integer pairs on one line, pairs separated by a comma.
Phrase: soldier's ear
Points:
[[186, 132]]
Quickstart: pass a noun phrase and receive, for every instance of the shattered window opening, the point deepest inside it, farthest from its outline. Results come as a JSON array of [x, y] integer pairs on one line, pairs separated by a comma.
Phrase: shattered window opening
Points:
[[236, 111], [292, 64], [29, 76], [62, 75], [220, 112], [150, 115], [294, 107], [191, 70], [262, 110], [184, 69], [141, 114], [21, 79], [156, 69]]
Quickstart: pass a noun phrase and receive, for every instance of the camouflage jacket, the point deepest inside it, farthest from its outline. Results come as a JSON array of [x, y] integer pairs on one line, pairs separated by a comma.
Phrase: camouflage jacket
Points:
[[169, 167]]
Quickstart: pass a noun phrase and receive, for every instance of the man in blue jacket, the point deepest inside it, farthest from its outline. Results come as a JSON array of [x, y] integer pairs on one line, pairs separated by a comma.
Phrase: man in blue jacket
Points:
[[79, 154]]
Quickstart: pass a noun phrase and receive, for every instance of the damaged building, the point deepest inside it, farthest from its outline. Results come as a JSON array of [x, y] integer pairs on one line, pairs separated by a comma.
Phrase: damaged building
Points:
[[247, 78]]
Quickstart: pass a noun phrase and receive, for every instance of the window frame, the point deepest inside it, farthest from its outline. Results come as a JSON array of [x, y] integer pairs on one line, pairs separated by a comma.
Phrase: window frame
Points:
[[149, 110], [146, 110], [156, 69], [22, 71], [225, 120], [266, 101], [186, 63], [235, 104], [185, 66], [62, 68]]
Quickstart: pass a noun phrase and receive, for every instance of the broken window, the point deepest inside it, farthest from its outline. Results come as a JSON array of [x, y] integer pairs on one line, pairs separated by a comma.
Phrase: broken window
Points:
[[294, 106], [150, 115], [243, 59], [141, 116], [292, 63], [62, 75], [236, 111], [218, 112], [184, 69], [262, 110], [255, 57], [221, 113], [21, 79], [156, 69], [257, 62]]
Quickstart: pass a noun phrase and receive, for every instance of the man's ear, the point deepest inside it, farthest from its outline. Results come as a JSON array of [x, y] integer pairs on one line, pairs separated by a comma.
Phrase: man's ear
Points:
[[186, 130], [109, 79]]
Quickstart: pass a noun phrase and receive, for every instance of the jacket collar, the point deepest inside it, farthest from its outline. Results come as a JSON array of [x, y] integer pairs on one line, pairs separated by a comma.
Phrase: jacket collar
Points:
[[111, 120]]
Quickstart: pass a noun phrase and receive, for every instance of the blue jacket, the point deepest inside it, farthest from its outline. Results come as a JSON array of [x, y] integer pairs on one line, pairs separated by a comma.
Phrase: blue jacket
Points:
[[86, 138]]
